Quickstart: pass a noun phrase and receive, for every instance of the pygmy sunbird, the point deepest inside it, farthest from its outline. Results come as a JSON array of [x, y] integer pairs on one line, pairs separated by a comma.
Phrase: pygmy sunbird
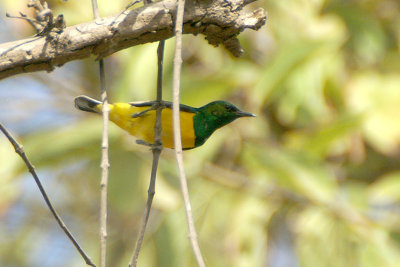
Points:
[[138, 118]]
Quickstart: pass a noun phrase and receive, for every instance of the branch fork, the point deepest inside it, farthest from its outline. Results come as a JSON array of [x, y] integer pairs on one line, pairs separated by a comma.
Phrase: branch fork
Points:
[[44, 22]]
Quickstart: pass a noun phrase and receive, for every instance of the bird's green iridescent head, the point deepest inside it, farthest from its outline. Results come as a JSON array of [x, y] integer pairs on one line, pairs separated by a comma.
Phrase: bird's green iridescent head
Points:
[[212, 116]]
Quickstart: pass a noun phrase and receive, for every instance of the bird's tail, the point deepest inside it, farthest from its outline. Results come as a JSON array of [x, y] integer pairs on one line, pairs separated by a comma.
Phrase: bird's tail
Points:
[[86, 103]]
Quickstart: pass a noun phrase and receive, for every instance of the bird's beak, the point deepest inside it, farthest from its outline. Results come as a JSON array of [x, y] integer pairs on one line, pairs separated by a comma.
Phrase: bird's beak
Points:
[[245, 114]]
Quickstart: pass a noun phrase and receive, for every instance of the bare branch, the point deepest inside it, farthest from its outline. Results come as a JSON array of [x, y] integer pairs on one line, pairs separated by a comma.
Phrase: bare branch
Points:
[[105, 164], [20, 151], [156, 148], [177, 134], [220, 21]]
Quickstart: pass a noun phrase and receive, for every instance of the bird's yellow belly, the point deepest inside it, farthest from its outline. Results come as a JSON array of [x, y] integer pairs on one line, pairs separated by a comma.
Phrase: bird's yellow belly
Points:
[[143, 126]]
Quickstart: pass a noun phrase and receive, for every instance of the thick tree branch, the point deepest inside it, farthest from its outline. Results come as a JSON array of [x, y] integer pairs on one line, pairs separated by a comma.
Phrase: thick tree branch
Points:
[[219, 20]]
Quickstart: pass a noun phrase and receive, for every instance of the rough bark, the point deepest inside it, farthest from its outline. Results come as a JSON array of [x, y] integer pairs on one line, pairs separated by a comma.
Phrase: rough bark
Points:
[[219, 20]]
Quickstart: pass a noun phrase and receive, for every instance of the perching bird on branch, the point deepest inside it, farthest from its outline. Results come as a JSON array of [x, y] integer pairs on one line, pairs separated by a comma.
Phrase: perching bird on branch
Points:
[[138, 118]]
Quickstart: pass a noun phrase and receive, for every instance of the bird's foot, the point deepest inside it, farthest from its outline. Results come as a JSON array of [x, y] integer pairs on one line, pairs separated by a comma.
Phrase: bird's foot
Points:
[[156, 146], [139, 114]]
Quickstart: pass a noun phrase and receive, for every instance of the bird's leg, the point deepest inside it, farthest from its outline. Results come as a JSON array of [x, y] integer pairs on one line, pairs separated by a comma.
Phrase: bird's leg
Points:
[[144, 143], [152, 146], [153, 107], [139, 114]]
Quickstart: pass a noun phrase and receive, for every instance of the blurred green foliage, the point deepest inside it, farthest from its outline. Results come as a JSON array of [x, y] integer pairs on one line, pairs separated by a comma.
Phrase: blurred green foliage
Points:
[[314, 180]]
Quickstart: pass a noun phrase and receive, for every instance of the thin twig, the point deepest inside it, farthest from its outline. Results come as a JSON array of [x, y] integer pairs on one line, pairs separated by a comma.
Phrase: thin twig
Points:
[[105, 165], [156, 148], [95, 9], [177, 134], [20, 151]]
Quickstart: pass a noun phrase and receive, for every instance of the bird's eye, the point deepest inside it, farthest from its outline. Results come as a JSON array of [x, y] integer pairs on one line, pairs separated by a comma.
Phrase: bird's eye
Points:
[[229, 108]]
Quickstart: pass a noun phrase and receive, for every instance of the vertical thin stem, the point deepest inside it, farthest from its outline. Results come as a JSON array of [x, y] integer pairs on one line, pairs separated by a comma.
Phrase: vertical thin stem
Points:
[[95, 9], [20, 151], [146, 213], [105, 165], [156, 148], [177, 134]]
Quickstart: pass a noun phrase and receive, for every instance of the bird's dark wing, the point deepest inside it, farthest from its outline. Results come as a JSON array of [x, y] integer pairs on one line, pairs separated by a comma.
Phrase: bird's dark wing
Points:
[[167, 104]]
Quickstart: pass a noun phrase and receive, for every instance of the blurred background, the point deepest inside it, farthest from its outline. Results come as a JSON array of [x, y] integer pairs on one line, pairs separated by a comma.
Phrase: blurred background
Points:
[[313, 180]]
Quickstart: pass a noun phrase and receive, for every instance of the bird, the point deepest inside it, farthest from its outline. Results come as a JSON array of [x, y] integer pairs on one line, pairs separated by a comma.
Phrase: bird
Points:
[[138, 119]]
